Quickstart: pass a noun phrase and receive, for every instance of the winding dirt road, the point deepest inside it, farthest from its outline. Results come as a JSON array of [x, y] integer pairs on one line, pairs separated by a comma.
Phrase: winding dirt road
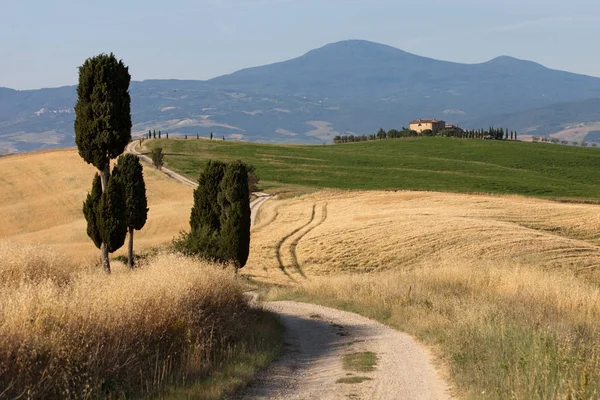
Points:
[[311, 368], [316, 340]]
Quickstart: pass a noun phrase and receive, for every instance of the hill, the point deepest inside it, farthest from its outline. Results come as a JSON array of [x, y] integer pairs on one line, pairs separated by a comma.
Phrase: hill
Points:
[[438, 164], [41, 195], [354, 86]]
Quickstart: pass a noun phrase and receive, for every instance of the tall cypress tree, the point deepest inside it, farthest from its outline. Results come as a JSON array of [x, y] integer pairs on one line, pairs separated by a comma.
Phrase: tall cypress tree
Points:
[[90, 210], [136, 204], [102, 118], [234, 199]]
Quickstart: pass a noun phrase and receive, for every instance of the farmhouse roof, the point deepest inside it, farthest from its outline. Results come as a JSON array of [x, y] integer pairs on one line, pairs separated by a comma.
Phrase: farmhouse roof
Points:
[[426, 121]]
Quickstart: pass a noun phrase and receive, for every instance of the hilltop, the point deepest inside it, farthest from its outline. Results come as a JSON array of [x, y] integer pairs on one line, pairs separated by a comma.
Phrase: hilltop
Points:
[[433, 163], [354, 86]]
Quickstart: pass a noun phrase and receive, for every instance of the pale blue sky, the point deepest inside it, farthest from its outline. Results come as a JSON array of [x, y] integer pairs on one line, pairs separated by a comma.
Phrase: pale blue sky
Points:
[[43, 41]]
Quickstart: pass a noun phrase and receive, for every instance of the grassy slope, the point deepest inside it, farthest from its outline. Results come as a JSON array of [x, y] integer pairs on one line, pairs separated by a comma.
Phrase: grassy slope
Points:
[[439, 164]]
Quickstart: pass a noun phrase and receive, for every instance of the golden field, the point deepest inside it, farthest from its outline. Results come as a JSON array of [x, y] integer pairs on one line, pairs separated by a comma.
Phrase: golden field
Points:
[[505, 289], [42, 193]]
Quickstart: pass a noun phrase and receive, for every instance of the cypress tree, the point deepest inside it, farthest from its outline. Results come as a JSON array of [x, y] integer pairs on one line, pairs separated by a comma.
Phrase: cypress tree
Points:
[[234, 199], [167, 135], [159, 134], [206, 211], [154, 134], [136, 204], [102, 119], [90, 209], [211, 136], [111, 213]]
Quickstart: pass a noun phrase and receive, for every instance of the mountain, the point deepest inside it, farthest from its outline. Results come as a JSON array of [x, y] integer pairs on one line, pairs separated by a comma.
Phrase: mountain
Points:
[[354, 86]]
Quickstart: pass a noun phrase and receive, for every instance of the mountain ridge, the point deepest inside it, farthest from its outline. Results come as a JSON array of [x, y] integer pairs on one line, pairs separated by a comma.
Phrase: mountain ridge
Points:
[[349, 86]]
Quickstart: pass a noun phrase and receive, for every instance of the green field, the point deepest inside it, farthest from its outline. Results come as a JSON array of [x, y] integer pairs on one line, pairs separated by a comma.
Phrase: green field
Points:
[[439, 164]]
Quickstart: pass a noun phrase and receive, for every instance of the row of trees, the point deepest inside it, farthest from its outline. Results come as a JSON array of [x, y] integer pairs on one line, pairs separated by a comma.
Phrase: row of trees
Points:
[[152, 135], [116, 204], [545, 139], [491, 133]]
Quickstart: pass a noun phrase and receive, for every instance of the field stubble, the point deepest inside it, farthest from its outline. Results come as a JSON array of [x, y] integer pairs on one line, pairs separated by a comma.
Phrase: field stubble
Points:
[[505, 289]]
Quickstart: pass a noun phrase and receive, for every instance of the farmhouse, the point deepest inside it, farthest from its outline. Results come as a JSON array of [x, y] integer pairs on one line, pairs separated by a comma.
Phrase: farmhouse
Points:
[[421, 125]]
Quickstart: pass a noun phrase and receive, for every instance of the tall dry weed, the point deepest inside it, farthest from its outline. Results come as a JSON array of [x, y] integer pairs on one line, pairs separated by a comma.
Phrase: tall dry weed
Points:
[[70, 334]]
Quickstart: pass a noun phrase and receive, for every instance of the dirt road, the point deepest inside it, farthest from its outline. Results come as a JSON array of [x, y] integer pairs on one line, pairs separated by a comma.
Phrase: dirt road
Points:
[[316, 340]]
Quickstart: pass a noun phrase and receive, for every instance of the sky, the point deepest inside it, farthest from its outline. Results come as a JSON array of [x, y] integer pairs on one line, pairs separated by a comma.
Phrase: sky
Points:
[[44, 41]]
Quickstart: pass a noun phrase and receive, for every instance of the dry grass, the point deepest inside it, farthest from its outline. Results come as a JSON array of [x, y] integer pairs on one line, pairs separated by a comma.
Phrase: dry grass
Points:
[[41, 196], [67, 331], [505, 289]]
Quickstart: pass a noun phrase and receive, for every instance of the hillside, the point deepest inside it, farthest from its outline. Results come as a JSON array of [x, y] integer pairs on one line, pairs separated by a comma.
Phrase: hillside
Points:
[[354, 86], [41, 196], [440, 164]]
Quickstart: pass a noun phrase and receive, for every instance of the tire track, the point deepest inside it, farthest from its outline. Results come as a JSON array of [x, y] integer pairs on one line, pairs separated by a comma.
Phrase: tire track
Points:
[[295, 242], [286, 237]]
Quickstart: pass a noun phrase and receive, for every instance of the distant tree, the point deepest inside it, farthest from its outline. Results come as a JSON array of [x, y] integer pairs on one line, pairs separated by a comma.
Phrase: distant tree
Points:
[[154, 134], [103, 124], [575, 143], [234, 200], [167, 135], [149, 134], [584, 144], [594, 144], [223, 137], [555, 140], [136, 204], [381, 134], [211, 136], [197, 136], [157, 157], [159, 134], [90, 210], [185, 136], [535, 138], [427, 132]]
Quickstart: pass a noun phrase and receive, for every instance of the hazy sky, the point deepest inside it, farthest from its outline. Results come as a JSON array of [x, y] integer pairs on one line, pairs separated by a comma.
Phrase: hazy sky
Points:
[[43, 41]]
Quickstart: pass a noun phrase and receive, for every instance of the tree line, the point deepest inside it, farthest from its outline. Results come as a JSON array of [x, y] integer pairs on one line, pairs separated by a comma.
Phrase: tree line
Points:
[[489, 134], [152, 135], [546, 139], [117, 205]]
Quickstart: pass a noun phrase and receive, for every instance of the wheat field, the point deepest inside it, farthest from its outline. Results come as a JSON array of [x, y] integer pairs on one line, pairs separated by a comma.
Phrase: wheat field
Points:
[[41, 197], [505, 289]]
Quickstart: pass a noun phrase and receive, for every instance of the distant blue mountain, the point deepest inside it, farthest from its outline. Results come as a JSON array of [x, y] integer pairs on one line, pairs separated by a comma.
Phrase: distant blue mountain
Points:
[[351, 86]]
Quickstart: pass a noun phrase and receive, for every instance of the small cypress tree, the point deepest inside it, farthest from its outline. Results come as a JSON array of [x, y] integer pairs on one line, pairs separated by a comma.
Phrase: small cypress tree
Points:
[[159, 134], [157, 157], [111, 213], [211, 136], [234, 199], [154, 134], [185, 137], [149, 134], [90, 209], [197, 136], [167, 135], [136, 204]]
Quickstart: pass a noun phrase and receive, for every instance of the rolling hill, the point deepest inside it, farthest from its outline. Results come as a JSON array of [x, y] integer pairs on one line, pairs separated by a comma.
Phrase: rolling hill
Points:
[[355, 86]]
